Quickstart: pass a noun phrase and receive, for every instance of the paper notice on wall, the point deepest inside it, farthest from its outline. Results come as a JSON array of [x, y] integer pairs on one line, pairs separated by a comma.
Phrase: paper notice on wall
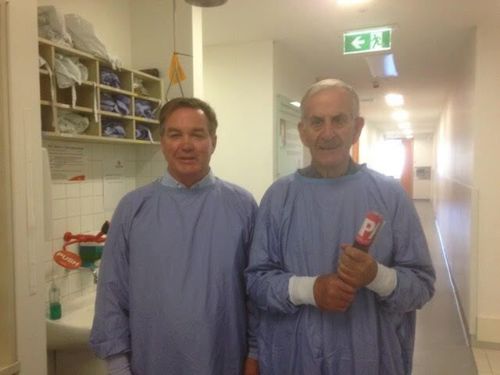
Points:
[[114, 183], [67, 161]]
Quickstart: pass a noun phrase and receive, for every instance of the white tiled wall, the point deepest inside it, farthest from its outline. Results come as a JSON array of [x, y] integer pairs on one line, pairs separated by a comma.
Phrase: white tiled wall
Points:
[[79, 206]]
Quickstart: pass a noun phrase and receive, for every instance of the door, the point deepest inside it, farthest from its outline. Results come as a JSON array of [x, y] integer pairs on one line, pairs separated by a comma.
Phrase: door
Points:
[[289, 151], [407, 175], [394, 157]]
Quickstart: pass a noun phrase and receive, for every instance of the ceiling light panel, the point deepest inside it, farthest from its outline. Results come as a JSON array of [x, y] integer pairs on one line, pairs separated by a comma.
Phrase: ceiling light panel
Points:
[[351, 2], [400, 115], [394, 100]]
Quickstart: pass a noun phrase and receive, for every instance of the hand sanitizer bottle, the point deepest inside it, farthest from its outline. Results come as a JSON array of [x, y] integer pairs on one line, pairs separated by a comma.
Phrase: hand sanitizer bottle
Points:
[[54, 303]]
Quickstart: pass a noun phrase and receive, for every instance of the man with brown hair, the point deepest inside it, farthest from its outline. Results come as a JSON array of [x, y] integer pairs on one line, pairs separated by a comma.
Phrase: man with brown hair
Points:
[[171, 297]]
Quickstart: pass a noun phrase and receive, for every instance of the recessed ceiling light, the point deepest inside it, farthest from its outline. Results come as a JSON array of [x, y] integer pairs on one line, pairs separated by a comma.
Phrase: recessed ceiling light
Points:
[[400, 115], [295, 104], [351, 2], [394, 100]]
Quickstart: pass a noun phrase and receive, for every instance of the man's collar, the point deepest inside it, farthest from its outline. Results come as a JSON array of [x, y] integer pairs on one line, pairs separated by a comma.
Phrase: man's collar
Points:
[[312, 172], [168, 180]]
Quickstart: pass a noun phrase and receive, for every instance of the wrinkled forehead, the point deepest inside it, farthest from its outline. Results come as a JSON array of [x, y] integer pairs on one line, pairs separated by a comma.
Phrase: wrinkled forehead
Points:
[[329, 102]]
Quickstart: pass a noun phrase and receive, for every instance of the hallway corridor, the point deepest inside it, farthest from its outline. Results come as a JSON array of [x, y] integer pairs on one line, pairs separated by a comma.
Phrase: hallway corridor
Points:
[[441, 347]]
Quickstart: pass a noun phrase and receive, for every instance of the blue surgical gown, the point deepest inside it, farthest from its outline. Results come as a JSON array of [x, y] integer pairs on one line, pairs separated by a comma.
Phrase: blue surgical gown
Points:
[[300, 225], [171, 291]]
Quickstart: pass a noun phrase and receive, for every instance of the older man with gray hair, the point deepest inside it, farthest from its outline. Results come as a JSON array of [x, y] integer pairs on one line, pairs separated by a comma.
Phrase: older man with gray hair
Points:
[[325, 306]]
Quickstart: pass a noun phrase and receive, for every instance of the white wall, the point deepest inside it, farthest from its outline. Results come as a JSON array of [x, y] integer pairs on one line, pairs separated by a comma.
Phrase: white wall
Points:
[[467, 204], [370, 137], [153, 39], [422, 157], [8, 350], [456, 188], [110, 19], [291, 75], [71, 201], [291, 80], [26, 176], [239, 86], [487, 178], [140, 33], [83, 206], [197, 31]]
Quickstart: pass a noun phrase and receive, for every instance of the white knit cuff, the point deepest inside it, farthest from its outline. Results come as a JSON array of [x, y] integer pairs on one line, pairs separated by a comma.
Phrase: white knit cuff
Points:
[[385, 282], [301, 290]]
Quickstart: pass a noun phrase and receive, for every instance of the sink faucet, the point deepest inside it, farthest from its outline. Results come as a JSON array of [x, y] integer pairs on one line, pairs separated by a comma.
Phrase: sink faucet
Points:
[[92, 268], [94, 271]]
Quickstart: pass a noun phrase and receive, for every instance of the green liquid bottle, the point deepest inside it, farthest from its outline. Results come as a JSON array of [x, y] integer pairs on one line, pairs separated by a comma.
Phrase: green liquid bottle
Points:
[[55, 310]]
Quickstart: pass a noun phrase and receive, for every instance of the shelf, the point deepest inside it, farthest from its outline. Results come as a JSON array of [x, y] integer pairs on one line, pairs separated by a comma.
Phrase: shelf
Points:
[[145, 76], [115, 115], [54, 101], [93, 138], [115, 90], [148, 98], [67, 50], [75, 108], [146, 120]]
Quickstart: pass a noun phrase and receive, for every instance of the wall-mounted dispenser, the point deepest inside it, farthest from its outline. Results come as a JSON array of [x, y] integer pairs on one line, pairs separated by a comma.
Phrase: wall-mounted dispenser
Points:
[[90, 249]]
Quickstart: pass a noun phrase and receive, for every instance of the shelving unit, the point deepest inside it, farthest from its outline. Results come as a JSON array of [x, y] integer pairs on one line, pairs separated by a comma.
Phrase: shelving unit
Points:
[[54, 101]]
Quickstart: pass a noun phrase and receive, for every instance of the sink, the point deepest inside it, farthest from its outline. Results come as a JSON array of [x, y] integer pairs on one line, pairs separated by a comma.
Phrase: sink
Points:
[[72, 331]]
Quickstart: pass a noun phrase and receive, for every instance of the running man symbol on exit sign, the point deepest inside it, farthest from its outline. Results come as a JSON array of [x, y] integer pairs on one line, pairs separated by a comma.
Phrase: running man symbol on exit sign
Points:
[[362, 41]]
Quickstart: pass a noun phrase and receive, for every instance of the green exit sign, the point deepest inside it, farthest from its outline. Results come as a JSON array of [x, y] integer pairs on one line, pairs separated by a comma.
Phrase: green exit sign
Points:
[[362, 41]]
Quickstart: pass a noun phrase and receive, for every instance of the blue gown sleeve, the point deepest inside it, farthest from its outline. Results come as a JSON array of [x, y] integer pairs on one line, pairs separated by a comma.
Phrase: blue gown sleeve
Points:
[[253, 319], [267, 279], [110, 333], [411, 260]]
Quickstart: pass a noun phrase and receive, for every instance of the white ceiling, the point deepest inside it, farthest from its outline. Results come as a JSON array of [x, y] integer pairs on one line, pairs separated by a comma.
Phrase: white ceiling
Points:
[[427, 34]]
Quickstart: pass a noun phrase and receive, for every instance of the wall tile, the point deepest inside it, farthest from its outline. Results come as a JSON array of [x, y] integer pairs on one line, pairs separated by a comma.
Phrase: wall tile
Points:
[[98, 221], [159, 168], [47, 251], [78, 207], [97, 151], [87, 189], [87, 205], [144, 153], [74, 281], [157, 155], [58, 191], [58, 228], [98, 204], [74, 224], [143, 168], [73, 207], [87, 223], [49, 270], [73, 189], [98, 187], [58, 208]]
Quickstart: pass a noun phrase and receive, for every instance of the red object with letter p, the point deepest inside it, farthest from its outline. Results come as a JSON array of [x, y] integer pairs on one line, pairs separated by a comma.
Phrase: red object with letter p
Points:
[[366, 234]]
